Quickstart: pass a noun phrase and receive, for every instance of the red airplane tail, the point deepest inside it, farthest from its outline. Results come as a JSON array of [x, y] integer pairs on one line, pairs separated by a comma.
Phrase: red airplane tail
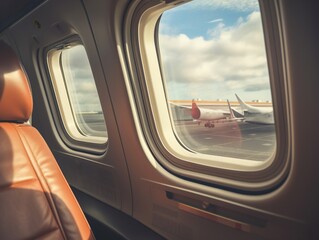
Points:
[[195, 110]]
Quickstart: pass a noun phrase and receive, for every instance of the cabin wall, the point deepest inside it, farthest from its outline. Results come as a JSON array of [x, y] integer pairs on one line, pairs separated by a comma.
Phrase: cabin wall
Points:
[[127, 176]]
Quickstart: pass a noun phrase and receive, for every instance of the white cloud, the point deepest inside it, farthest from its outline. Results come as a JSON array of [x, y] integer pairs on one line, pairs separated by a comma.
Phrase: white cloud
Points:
[[242, 5], [232, 58], [216, 20], [82, 87]]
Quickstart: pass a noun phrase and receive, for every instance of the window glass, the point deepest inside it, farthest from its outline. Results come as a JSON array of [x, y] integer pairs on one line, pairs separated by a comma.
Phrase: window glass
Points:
[[77, 94], [215, 73]]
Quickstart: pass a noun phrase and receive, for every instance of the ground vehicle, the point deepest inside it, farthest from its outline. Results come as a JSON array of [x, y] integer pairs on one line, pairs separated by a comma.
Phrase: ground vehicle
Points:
[[130, 173]]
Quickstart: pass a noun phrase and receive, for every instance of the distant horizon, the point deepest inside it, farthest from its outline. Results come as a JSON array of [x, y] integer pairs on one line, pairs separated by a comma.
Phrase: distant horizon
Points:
[[256, 101]]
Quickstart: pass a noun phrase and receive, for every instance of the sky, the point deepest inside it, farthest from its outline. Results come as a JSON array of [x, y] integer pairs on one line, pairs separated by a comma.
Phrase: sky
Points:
[[212, 49], [81, 85]]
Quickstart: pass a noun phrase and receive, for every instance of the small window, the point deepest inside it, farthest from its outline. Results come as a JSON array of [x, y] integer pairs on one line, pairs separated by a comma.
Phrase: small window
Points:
[[215, 73], [76, 94]]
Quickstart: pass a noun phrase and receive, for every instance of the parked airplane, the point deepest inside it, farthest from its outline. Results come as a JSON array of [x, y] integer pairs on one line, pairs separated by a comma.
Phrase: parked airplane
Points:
[[212, 116], [263, 115], [88, 149]]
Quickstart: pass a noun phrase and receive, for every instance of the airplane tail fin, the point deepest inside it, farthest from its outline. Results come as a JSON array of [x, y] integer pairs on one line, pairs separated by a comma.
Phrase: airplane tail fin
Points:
[[195, 110], [243, 105], [230, 111]]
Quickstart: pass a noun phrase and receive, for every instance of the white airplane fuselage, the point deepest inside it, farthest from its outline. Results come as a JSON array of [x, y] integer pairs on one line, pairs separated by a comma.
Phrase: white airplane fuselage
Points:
[[209, 116], [262, 115]]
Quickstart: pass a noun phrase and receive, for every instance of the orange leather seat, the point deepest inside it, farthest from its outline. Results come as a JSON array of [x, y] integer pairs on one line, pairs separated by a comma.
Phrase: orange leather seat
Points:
[[35, 200]]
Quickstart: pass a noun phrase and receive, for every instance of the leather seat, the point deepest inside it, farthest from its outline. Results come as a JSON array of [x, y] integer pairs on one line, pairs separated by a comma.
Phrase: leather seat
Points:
[[35, 200]]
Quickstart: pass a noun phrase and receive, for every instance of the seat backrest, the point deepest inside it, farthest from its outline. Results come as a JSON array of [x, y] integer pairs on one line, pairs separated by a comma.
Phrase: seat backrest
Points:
[[35, 200]]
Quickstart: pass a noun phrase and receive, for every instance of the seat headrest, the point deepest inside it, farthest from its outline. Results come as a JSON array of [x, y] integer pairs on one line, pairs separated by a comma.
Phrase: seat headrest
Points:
[[15, 95]]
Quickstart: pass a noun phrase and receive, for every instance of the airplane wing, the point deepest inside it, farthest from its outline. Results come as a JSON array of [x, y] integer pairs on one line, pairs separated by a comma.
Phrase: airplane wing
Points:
[[237, 114], [180, 106]]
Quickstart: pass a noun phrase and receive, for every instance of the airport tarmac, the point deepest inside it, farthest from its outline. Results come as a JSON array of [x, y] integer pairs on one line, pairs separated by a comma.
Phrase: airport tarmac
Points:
[[229, 139]]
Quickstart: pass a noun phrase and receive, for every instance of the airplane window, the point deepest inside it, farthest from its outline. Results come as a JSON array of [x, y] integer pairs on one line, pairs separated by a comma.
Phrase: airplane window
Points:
[[77, 94], [216, 80]]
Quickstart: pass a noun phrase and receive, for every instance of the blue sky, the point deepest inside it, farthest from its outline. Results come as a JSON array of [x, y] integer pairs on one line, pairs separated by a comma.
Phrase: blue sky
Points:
[[196, 22], [212, 49]]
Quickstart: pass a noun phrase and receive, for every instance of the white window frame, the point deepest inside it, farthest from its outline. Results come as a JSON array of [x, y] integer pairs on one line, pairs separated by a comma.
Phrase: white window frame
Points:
[[70, 124]]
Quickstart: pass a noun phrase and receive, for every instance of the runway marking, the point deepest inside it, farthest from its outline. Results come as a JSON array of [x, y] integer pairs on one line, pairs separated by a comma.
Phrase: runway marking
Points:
[[266, 144]]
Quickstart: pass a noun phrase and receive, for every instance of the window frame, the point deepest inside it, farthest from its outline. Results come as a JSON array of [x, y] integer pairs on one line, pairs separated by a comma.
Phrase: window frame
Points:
[[79, 142], [250, 177]]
